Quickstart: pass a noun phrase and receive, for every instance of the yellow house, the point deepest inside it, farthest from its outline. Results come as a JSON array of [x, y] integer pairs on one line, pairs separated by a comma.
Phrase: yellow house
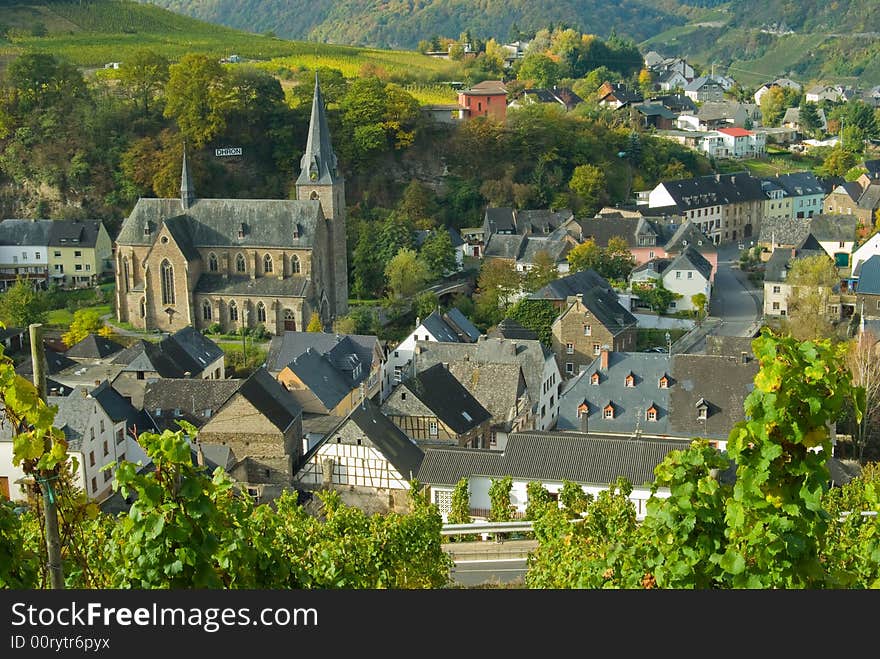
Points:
[[79, 252]]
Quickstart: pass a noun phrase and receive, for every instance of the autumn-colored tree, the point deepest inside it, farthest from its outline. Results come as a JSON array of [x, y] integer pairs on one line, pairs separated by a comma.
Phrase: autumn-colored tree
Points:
[[406, 274], [85, 322], [197, 97], [811, 279], [143, 75], [315, 324]]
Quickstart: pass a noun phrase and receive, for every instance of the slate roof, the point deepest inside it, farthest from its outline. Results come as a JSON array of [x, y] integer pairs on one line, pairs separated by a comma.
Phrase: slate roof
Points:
[[392, 442], [676, 102], [552, 456], [582, 281], [460, 324], [530, 355], [655, 110], [532, 246], [630, 403], [497, 386], [94, 347], [55, 363], [192, 396], [688, 234], [696, 377], [70, 233], [119, 408], [712, 190], [447, 398], [870, 198], [503, 246], [691, 259], [698, 83], [604, 305], [73, 416], [285, 347], [499, 220], [294, 286], [508, 328], [278, 223], [834, 228], [25, 232], [322, 378], [869, 277], [185, 351], [780, 261], [715, 110], [786, 231], [270, 398]]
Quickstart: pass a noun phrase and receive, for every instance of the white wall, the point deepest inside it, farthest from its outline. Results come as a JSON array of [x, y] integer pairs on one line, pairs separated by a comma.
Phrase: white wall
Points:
[[25, 255], [686, 287], [15, 473], [866, 250]]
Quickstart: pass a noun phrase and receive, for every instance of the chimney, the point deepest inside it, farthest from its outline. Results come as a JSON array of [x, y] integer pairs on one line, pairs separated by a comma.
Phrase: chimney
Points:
[[446, 365], [603, 358]]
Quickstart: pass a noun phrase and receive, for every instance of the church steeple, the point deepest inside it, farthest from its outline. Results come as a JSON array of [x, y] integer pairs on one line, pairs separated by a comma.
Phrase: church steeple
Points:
[[318, 164], [187, 191]]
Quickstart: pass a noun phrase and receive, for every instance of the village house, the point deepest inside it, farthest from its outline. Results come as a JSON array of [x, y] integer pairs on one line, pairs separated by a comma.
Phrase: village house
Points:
[[705, 88], [367, 459], [777, 290], [868, 288], [616, 95], [687, 275], [561, 97], [864, 251], [510, 406], [742, 143], [24, 252], [80, 251], [792, 119], [860, 198], [261, 425], [591, 321], [432, 407], [239, 262], [524, 251], [837, 235], [485, 99], [195, 401], [784, 83]]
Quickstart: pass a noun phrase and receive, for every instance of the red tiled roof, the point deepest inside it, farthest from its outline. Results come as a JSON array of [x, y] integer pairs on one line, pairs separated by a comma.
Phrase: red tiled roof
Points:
[[735, 132]]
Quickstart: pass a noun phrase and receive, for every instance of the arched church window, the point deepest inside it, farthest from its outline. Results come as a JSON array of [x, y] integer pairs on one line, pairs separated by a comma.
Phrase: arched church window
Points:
[[294, 264], [143, 307], [167, 283], [261, 312], [207, 313], [125, 273], [239, 263], [267, 263], [314, 195], [233, 311], [212, 262], [289, 321]]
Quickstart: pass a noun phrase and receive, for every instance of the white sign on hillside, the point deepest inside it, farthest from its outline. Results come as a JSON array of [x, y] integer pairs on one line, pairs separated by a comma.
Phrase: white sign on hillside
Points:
[[229, 151]]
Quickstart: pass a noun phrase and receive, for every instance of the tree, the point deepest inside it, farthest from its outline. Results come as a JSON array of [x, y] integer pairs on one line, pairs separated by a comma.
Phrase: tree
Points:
[[657, 296], [460, 507], [861, 358], [573, 499], [315, 324], [588, 182], [419, 205], [837, 162], [536, 315], [406, 274], [542, 272], [395, 234], [197, 97], [499, 495], [773, 105], [426, 302], [85, 322], [538, 68], [367, 267], [538, 499], [438, 253], [21, 305], [808, 119], [142, 75], [811, 279], [377, 116], [497, 285], [700, 302], [618, 261], [585, 256]]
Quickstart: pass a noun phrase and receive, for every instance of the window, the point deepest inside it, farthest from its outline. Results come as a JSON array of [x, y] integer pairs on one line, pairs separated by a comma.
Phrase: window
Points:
[[239, 263], [402, 395], [596, 348], [609, 412], [267, 263], [125, 273], [652, 414], [261, 312], [212, 262], [432, 428], [678, 274], [78, 267], [91, 458], [702, 412], [37, 255], [443, 500], [120, 435], [94, 485], [158, 411], [143, 306], [690, 275], [777, 289], [207, 313], [594, 379], [588, 330], [107, 475], [57, 254], [630, 381], [102, 425], [398, 374], [106, 448], [569, 367], [663, 383], [776, 306], [167, 283], [569, 348], [233, 311], [294, 264], [176, 411], [78, 254]]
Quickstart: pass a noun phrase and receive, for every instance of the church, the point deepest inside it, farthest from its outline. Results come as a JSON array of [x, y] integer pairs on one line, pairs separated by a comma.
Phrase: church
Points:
[[239, 262]]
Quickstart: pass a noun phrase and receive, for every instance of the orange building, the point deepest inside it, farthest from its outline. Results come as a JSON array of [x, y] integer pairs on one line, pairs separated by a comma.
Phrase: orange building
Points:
[[485, 99]]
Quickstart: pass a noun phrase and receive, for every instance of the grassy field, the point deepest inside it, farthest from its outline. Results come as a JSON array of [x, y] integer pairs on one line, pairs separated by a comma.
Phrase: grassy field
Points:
[[94, 33], [777, 60], [63, 317]]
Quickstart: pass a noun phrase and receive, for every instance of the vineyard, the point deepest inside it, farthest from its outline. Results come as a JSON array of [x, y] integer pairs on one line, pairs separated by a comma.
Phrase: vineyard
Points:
[[94, 33]]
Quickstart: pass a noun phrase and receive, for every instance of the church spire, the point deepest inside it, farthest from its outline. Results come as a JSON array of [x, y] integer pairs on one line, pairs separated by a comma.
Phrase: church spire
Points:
[[187, 191], [318, 164]]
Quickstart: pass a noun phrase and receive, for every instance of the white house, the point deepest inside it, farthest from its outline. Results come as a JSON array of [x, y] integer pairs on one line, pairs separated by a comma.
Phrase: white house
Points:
[[687, 274], [742, 143], [24, 251], [448, 327], [866, 250], [12, 477], [550, 458]]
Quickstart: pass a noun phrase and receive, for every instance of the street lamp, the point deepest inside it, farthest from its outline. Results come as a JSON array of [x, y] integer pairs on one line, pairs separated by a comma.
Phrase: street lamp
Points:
[[669, 344]]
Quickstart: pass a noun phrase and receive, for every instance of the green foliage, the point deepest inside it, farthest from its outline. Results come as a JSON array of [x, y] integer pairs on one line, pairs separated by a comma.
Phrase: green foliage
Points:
[[536, 315], [658, 297], [573, 499], [18, 565], [425, 303], [197, 97], [499, 495], [614, 262], [497, 284], [438, 254], [811, 280], [406, 274], [542, 272], [21, 305], [460, 509], [538, 500], [315, 324], [85, 321]]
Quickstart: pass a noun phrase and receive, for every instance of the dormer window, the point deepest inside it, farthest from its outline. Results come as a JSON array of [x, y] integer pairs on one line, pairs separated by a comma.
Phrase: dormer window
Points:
[[702, 409], [651, 414], [583, 410], [629, 380], [295, 230], [147, 231], [608, 412], [663, 382], [594, 378], [242, 230]]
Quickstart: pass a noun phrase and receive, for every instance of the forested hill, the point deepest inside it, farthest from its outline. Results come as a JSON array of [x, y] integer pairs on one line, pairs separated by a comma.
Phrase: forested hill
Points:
[[403, 23]]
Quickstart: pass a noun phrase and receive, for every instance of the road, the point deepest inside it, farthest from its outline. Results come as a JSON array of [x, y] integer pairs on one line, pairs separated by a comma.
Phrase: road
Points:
[[494, 571], [734, 300]]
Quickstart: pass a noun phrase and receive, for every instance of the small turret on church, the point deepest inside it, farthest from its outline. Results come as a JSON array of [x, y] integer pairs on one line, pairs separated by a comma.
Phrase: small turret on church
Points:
[[187, 190], [320, 179]]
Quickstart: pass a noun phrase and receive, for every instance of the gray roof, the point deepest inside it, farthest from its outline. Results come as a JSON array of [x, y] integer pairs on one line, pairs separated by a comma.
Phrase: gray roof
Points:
[[447, 398], [439, 328], [530, 355], [552, 456], [696, 377], [834, 228], [532, 246], [73, 416], [688, 234], [784, 230], [461, 324], [276, 223], [497, 386], [691, 259], [582, 282], [499, 220], [55, 363], [503, 246], [869, 276], [322, 378], [94, 347], [261, 286], [712, 190], [781, 259], [698, 83], [25, 232], [192, 396], [270, 398], [286, 347], [870, 198], [318, 163], [630, 403], [655, 110], [69, 233], [392, 442], [714, 110], [605, 306], [508, 328], [187, 351]]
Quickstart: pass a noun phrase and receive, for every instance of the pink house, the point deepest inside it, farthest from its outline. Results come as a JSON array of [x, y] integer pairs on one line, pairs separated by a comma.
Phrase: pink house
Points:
[[485, 99]]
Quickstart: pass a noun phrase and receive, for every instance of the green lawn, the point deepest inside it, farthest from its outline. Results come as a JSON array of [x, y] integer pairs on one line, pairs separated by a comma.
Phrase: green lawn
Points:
[[63, 317], [648, 337]]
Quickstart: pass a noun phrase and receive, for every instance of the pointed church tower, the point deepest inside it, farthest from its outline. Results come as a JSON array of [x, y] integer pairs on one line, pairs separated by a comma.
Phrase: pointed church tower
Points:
[[319, 179], [187, 191]]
